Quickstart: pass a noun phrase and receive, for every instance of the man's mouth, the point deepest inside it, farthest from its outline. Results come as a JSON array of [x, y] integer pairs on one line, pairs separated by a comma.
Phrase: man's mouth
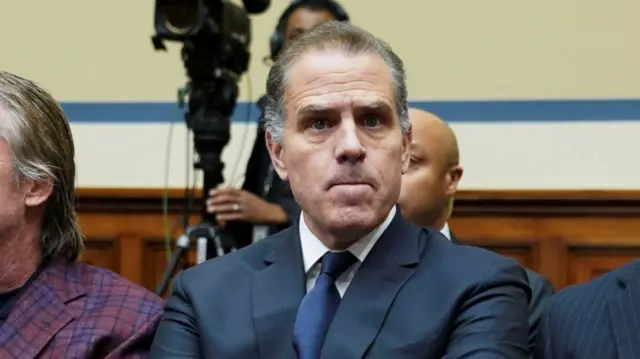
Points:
[[350, 183]]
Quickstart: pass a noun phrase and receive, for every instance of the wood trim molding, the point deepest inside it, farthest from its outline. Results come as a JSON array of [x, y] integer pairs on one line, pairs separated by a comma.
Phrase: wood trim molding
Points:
[[534, 203], [135, 200], [468, 203]]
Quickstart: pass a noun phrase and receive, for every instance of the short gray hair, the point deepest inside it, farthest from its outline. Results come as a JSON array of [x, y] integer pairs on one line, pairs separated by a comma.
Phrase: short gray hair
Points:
[[331, 35], [39, 135]]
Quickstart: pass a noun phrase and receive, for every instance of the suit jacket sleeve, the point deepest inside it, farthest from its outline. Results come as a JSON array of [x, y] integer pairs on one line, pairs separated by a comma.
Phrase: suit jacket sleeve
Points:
[[492, 321], [541, 290], [543, 345], [137, 345], [177, 334]]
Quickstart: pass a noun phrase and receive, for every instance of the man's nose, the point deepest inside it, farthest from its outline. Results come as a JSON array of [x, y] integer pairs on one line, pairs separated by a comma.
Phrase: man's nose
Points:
[[349, 147]]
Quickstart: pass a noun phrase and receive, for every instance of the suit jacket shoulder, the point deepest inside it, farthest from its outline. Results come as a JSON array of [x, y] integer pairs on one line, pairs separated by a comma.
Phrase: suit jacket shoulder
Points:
[[73, 310], [574, 300], [485, 261], [240, 263], [578, 319], [106, 290]]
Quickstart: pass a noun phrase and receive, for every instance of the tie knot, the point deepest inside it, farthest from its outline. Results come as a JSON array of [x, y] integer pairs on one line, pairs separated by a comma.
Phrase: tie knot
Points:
[[335, 263]]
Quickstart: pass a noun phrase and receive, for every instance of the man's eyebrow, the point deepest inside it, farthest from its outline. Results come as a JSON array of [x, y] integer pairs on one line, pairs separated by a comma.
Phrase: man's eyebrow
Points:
[[313, 108], [324, 108], [378, 106]]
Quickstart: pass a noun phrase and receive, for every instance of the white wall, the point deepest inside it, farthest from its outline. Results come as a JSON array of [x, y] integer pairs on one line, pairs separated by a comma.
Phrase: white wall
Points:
[[100, 52]]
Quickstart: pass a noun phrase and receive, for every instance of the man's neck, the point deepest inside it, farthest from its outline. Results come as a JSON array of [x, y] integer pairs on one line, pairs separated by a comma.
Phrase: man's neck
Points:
[[19, 259], [343, 239], [440, 224]]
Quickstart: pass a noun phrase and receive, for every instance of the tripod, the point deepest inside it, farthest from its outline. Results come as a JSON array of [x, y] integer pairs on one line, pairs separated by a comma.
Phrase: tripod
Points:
[[211, 240], [206, 235]]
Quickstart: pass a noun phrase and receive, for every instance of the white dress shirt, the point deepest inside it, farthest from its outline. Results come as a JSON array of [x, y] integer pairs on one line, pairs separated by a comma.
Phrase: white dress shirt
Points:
[[445, 230], [313, 249]]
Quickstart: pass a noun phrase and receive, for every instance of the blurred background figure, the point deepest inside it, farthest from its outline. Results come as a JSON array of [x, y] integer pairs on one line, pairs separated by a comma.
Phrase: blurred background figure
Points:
[[594, 320], [429, 188], [264, 205]]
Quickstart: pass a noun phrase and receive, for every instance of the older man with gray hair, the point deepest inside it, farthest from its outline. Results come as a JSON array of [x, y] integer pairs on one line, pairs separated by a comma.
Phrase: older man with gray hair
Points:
[[52, 306], [351, 278]]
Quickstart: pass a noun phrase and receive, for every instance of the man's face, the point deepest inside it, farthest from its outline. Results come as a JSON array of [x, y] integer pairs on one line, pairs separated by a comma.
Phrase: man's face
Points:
[[12, 196], [431, 179], [343, 150], [303, 19]]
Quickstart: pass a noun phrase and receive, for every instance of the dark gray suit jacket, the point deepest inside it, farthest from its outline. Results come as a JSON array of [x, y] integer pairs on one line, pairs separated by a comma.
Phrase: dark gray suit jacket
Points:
[[599, 319], [541, 291], [416, 295]]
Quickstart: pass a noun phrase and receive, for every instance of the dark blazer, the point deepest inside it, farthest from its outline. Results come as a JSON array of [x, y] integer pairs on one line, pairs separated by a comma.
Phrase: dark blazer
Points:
[[416, 295], [257, 174], [76, 311], [541, 291], [599, 319]]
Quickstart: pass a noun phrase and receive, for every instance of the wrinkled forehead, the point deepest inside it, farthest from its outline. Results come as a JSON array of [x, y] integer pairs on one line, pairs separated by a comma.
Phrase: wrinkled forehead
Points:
[[330, 81], [346, 105]]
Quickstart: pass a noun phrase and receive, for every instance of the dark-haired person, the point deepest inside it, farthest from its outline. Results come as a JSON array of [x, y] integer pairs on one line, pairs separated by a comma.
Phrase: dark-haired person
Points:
[[51, 305], [264, 205]]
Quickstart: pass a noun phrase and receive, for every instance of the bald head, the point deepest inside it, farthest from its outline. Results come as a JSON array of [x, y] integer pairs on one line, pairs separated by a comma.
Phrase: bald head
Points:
[[428, 187], [431, 131]]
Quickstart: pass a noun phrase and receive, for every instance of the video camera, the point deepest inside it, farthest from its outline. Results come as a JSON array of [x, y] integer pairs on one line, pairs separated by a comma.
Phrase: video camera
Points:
[[215, 37]]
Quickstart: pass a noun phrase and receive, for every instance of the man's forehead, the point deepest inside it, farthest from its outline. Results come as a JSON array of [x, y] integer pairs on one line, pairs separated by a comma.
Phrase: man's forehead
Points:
[[330, 80], [333, 66]]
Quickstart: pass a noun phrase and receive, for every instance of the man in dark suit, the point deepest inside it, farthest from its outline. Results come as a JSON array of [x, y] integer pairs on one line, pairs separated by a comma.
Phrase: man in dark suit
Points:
[[429, 187], [265, 205], [352, 278], [595, 320], [51, 306]]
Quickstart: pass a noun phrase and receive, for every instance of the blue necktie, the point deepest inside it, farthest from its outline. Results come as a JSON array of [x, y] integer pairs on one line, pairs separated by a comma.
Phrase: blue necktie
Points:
[[319, 306]]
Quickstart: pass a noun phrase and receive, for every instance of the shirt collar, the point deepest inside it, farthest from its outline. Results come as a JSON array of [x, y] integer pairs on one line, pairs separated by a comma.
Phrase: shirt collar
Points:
[[445, 230], [313, 249]]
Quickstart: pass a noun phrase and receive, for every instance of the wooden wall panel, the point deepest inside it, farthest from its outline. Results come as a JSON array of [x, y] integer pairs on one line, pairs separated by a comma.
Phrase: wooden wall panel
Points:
[[568, 236]]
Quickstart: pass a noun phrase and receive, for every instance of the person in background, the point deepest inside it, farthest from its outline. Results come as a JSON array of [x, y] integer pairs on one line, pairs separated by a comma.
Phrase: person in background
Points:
[[429, 187], [264, 205], [351, 278], [599, 319], [51, 305]]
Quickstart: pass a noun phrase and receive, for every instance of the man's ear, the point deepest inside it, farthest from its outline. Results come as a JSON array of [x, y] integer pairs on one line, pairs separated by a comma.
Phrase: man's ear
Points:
[[276, 151], [37, 192], [406, 149], [453, 179]]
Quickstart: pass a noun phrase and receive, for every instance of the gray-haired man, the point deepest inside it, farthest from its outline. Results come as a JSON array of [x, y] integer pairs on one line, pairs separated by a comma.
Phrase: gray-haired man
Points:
[[51, 305], [351, 278]]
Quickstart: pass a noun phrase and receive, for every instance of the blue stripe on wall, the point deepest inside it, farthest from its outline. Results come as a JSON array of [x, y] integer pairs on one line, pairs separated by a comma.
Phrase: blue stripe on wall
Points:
[[451, 111]]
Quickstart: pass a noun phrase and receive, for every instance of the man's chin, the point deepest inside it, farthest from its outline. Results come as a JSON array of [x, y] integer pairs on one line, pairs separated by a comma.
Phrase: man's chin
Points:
[[350, 218]]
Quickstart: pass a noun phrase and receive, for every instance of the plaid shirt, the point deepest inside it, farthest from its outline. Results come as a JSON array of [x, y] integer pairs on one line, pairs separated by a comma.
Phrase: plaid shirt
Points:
[[73, 310]]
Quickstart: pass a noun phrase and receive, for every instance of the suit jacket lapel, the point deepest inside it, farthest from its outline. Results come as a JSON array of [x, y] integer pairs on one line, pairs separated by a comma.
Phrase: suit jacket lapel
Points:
[[386, 269], [624, 308], [276, 294], [453, 238], [40, 312]]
